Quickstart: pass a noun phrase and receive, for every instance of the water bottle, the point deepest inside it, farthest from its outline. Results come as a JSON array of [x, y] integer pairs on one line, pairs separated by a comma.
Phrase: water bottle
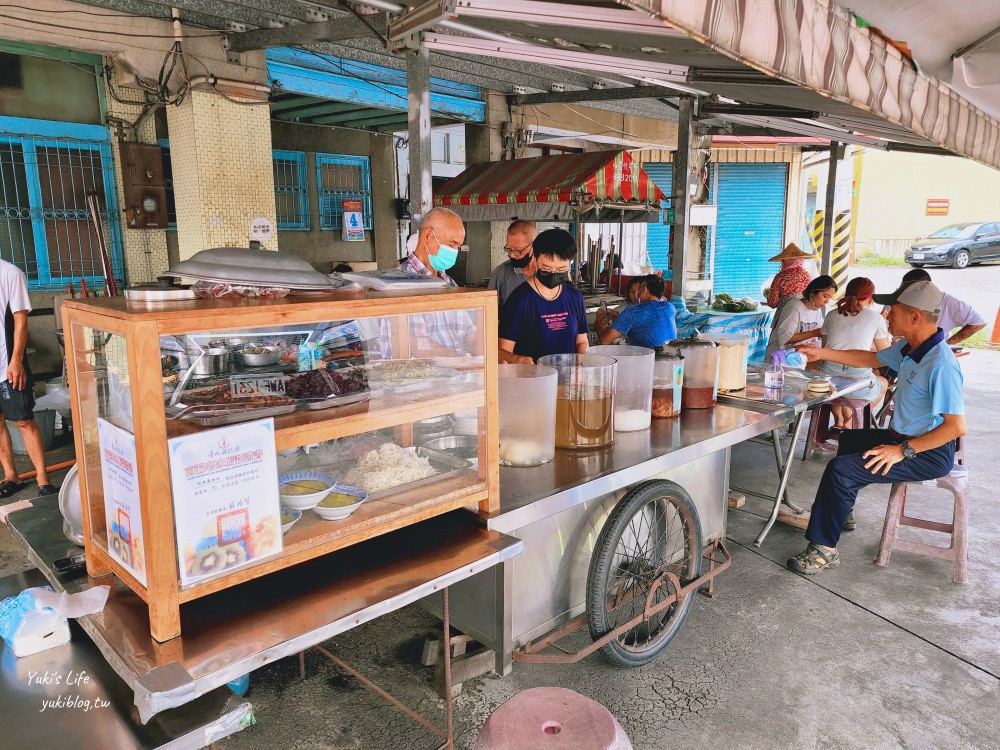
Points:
[[774, 376], [305, 356]]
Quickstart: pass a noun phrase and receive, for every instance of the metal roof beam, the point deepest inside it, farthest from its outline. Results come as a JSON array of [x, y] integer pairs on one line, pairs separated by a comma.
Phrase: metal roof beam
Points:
[[334, 30], [390, 119], [562, 14], [422, 17], [291, 102], [364, 113], [595, 95], [318, 108]]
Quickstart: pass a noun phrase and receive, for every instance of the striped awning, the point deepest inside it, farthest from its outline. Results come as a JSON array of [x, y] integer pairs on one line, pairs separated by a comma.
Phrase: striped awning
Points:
[[549, 187], [818, 45]]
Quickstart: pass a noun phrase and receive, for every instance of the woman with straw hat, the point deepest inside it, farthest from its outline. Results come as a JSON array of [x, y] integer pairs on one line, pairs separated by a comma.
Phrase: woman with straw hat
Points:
[[792, 279]]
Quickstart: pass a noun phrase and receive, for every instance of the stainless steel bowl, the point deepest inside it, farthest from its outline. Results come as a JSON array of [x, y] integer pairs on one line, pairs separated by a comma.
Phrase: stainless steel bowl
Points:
[[271, 357], [460, 446]]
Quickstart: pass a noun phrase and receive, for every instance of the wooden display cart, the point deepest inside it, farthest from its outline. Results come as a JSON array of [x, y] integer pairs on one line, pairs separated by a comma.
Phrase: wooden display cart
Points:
[[114, 364]]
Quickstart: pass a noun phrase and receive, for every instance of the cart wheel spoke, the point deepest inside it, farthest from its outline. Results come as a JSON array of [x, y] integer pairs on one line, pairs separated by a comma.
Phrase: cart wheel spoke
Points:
[[653, 530]]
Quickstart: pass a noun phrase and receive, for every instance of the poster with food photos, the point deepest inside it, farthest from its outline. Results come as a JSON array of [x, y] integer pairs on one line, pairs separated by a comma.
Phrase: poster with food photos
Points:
[[122, 510], [226, 505]]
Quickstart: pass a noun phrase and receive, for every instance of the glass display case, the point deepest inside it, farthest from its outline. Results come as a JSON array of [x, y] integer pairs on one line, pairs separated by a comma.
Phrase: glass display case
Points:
[[219, 441]]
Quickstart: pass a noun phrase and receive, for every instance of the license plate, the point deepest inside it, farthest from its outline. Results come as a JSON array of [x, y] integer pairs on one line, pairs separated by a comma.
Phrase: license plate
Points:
[[917, 256], [249, 386]]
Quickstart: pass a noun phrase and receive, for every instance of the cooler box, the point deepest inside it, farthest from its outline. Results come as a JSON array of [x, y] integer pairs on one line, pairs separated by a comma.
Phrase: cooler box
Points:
[[46, 419]]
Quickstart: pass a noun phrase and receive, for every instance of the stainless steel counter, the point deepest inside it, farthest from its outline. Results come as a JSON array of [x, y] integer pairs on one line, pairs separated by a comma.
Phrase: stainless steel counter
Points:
[[69, 696], [795, 396], [574, 477], [233, 632]]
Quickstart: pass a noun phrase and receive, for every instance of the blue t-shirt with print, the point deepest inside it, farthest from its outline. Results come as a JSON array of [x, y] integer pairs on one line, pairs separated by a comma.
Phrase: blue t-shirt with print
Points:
[[649, 324], [538, 326], [929, 384]]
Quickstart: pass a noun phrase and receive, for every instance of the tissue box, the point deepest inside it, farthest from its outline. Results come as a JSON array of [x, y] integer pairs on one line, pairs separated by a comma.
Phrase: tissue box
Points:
[[41, 635]]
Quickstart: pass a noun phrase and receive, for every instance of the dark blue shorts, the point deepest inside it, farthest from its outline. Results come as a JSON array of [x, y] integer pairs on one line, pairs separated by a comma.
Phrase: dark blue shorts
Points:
[[17, 405]]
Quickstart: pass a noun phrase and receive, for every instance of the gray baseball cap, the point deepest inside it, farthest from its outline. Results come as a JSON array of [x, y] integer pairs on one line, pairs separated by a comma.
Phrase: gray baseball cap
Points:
[[922, 295]]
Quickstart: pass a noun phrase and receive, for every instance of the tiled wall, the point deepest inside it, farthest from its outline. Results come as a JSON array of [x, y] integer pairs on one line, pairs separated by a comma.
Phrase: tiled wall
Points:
[[220, 152], [145, 250]]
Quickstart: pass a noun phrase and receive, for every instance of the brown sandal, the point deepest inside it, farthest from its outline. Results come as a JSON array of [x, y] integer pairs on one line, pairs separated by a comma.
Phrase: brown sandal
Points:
[[813, 559]]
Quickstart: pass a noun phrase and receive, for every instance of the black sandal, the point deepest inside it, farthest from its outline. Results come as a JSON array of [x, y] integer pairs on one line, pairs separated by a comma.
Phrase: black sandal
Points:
[[8, 488]]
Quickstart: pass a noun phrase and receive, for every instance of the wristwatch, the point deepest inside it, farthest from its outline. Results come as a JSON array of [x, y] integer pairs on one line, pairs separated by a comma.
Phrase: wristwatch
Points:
[[908, 452]]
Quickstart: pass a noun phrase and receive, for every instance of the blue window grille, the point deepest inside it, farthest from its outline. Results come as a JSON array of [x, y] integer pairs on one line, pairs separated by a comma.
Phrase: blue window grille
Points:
[[45, 227], [291, 193], [340, 178], [168, 183]]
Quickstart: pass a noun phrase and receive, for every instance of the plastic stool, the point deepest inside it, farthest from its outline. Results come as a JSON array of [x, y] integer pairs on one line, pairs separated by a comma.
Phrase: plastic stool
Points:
[[552, 719], [820, 434], [957, 483]]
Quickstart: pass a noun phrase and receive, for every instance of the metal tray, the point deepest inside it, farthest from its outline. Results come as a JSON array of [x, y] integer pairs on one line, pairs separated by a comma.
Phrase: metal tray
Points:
[[217, 420], [327, 403], [447, 466]]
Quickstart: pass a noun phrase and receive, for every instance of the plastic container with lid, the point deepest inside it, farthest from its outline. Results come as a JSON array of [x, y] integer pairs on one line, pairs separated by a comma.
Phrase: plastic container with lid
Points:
[[633, 385], [668, 380], [527, 414], [734, 349], [585, 397], [701, 371]]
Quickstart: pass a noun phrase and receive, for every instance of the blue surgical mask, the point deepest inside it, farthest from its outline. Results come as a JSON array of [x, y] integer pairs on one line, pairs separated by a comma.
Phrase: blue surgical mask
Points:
[[445, 257]]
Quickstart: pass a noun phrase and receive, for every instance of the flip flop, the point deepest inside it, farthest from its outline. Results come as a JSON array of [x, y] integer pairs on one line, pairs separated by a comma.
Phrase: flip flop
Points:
[[8, 488]]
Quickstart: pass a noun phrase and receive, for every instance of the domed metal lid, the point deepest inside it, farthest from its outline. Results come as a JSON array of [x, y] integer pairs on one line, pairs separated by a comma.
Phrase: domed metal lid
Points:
[[694, 340], [243, 265]]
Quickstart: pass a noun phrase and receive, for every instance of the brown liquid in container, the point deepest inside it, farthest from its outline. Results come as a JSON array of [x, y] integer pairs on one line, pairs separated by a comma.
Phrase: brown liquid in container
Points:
[[663, 403], [583, 417], [697, 398]]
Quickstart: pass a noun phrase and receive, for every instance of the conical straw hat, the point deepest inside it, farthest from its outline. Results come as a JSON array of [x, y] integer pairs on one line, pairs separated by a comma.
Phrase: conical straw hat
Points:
[[790, 252]]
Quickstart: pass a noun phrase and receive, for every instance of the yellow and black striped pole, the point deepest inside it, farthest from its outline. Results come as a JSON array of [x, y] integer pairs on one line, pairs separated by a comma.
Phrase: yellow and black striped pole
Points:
[[816, 235], [841, 249]]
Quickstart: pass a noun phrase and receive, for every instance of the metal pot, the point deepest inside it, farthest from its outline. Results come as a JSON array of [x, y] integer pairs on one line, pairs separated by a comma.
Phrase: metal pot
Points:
[[465, 447], [429, 429], [213, 361]]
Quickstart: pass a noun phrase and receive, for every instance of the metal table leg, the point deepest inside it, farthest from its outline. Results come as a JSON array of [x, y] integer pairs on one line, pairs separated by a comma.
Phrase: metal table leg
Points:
[[783, 481]]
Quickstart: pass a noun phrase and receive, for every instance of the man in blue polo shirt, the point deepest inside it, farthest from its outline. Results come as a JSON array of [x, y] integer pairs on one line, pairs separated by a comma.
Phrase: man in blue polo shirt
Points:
[[929, 415]]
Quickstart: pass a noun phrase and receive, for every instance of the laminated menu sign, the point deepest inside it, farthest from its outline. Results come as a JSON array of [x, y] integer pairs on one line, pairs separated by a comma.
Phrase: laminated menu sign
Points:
[[226, 505], [122, 510]]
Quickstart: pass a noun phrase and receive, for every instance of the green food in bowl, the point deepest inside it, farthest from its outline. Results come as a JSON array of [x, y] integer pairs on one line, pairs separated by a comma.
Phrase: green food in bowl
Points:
[[303, 487]]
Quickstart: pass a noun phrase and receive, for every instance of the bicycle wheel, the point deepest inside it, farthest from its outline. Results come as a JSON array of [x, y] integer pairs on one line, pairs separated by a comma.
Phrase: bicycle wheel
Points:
[[653, 529]]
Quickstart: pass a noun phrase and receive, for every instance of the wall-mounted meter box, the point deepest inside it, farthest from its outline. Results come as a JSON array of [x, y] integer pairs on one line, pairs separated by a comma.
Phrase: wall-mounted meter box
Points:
[[145, 196]]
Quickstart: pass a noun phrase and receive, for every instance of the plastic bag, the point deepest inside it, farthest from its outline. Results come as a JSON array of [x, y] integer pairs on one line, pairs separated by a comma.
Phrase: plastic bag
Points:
[[29, 628], [58, 400], [219, 290]]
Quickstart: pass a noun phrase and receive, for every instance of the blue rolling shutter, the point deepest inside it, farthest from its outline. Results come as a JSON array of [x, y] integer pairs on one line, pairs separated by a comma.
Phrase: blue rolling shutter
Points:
[[751, 226], [658, 235]]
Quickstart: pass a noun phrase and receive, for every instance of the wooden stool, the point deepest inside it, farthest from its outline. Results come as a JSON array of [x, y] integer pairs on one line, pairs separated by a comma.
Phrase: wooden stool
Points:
[[957, 483], [552, 719], [820, 435]]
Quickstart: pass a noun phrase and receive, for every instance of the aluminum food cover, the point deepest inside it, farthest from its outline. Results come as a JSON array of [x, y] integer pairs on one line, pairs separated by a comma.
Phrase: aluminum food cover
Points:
[[241, 265]]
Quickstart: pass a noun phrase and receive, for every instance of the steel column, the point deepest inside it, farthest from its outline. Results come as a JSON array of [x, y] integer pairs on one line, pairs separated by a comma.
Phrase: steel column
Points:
[[418, 106], [831, 190], [680, 199]]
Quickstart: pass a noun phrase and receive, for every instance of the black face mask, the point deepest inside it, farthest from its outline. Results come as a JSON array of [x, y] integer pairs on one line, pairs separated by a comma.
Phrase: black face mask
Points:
[[551, 280], [522, 261]]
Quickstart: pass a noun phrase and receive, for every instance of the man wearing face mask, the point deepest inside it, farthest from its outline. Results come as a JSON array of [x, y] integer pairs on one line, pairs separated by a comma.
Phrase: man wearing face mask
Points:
[[520, 263], [546, 315], [438, 241]]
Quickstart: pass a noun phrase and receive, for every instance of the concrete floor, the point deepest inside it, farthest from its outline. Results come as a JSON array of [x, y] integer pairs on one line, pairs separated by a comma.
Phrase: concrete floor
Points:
[[857, 657]]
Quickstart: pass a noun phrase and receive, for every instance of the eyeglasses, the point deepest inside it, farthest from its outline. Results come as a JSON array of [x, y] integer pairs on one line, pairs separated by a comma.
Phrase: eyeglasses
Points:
[[511, 251]]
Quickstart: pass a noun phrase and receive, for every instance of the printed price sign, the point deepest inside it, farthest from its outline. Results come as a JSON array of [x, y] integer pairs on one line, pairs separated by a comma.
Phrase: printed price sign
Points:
[[251, 386]]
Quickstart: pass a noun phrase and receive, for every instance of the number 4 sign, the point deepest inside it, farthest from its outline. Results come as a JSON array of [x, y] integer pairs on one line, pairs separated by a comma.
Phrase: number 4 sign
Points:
[[354, 223]]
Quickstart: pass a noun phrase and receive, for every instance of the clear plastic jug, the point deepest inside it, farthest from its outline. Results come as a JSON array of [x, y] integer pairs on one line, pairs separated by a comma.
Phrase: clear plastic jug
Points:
[[527, 414], [584, 399], [701, 371], [668, 380], [633, 385], [734, 348]]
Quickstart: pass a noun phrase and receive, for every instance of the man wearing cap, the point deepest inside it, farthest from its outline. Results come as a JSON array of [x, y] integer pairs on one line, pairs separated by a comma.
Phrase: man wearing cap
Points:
[[792, 279], [955, 313], [929, 415]]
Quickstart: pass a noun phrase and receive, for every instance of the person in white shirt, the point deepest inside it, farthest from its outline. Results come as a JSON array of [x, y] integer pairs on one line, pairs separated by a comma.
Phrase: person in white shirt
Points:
[[16, 399], [854, 325], [954, 312], [799, 321]]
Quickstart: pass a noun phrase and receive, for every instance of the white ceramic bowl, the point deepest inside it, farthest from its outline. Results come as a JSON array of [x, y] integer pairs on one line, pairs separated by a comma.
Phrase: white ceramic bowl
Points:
[[288, 518], [304, 502], [339, 512]]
